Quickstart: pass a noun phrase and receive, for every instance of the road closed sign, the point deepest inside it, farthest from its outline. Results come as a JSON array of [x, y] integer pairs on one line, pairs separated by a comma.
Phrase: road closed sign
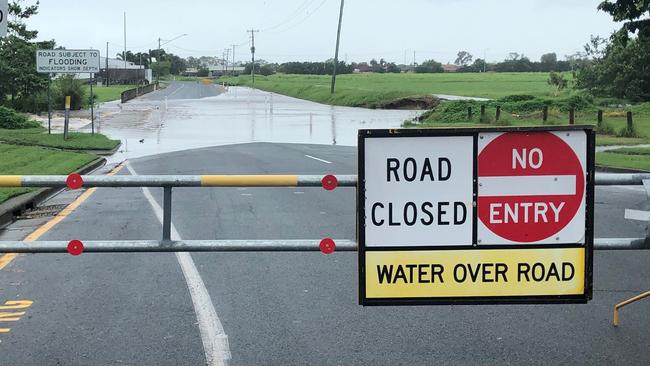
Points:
[[499, 215]]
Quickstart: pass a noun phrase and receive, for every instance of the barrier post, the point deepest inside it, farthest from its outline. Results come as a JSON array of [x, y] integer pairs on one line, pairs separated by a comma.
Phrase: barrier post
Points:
[[167, 213], [66, 122]]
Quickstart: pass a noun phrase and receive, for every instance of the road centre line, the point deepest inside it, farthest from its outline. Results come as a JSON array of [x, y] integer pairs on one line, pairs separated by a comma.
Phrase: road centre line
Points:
[[35, 235], [321, 160], [176, 91], [213, 336]]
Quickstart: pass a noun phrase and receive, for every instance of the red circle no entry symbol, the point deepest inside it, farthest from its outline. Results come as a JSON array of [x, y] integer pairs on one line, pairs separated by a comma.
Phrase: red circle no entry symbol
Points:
[[531, 185]]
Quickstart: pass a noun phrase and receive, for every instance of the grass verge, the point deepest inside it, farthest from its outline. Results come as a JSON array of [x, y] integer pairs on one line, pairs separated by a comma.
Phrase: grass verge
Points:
[[614, 159], [40, 137], [19, 160], [108, 93]]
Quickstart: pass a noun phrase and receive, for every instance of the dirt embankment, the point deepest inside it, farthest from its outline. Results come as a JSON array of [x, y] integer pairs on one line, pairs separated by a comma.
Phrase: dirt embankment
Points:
[[413, 102]]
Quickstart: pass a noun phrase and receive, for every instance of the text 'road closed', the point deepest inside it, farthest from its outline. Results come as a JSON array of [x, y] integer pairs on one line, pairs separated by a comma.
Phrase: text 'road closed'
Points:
[[463, 273]]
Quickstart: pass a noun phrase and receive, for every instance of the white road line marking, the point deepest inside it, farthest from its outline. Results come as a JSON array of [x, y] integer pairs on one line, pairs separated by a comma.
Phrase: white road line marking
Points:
[[637, 215], [213, 336], [176, 91], [298, 192], [321, 160], [246, 194]]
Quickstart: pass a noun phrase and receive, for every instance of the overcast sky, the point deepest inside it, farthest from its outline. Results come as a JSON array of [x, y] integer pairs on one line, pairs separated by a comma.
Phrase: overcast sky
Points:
[[306, 29]]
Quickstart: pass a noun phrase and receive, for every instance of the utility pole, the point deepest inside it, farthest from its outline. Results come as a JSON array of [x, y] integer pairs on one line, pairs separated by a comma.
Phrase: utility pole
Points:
[[233, 55], [252, 32], [107, 76], [336, 53], [484, 59], [226, 57], [124, 55]]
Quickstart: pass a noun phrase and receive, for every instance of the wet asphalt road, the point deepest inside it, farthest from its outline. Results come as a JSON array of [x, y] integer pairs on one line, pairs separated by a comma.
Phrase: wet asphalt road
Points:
[[290, 308], [184, 90]]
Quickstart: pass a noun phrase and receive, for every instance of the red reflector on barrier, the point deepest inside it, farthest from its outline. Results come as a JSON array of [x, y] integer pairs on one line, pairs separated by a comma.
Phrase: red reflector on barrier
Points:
[[75, 247], [327, 246], [329, 182], [74, 181]]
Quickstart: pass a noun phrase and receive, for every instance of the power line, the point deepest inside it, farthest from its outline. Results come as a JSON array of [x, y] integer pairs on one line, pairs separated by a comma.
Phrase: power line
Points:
[[305, 4], [320, 5]]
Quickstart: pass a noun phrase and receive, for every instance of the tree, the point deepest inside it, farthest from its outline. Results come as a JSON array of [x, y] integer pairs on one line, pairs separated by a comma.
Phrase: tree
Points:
[[68, 85], [514, 56], [630, 10], [193, 62], [18, 77], [479, 65], [619, 66], [161, 68], [557, 80], [392, 68], [548, 61], [464, 58], [429, 66]]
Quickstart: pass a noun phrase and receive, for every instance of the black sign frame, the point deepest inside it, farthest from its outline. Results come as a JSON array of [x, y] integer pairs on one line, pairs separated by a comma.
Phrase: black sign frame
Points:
[[477, 300]]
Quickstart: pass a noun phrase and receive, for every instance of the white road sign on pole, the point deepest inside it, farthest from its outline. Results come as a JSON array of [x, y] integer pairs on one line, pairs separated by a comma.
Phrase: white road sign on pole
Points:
[[67, 61], [4, 10]]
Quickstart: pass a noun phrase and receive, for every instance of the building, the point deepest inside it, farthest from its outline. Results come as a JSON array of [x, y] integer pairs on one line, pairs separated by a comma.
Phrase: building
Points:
[[220, 70], [120, 72], [450, 67]]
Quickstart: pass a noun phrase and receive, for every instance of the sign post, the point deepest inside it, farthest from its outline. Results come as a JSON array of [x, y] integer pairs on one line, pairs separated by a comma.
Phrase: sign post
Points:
[[49, 104], [66, 122], [4, 14], [92, 106], [476, 216], [67, 62]]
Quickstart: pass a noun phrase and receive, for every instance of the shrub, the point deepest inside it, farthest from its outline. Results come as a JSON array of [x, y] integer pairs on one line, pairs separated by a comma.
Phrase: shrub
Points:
[[628, 131], [68, 85], [605, 129], [13, 120], [516, 98]]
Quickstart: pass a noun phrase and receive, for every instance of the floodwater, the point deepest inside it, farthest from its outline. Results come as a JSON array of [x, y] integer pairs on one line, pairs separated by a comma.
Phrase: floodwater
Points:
[[239, 115]]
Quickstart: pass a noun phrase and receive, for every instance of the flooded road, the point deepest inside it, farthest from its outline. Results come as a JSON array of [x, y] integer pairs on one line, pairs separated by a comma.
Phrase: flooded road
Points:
[[239, 115]]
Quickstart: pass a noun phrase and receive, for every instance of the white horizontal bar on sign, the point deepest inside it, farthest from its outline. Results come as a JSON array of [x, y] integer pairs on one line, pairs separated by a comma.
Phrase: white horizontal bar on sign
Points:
[[528, 185]]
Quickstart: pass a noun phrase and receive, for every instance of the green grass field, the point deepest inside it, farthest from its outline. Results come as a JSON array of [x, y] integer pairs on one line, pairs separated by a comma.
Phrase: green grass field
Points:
[[40, 137], [18, 160], [371, 90], [374, 90], [108, 93]]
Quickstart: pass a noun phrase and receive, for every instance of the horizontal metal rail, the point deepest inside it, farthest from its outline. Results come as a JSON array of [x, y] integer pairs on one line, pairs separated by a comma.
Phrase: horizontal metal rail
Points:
[[57, 181], [176, 246], [615, 179], [306, 245]]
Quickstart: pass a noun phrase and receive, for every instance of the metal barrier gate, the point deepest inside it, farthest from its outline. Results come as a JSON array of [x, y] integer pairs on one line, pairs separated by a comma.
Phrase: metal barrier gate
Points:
[[167, 182]]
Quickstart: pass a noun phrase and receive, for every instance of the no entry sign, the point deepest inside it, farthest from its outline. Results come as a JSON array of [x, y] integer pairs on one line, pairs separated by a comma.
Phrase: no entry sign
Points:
[[498, 215], [531, 187]]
